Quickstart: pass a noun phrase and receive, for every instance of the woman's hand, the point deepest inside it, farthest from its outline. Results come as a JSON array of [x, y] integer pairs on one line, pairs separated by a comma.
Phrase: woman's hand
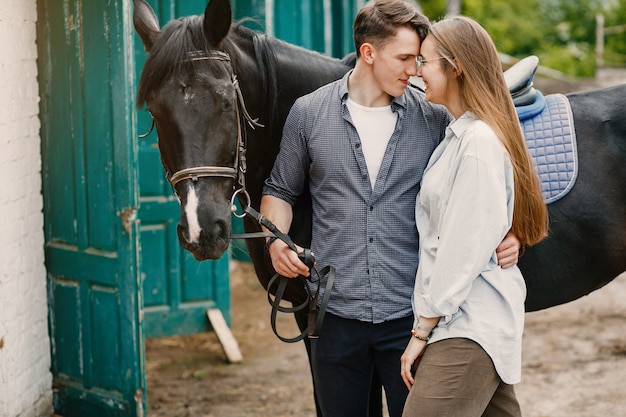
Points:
[[508, 251], [410, 359]]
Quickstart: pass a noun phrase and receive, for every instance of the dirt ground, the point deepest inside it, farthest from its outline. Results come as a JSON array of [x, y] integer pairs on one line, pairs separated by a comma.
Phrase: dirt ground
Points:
[[574, 362]]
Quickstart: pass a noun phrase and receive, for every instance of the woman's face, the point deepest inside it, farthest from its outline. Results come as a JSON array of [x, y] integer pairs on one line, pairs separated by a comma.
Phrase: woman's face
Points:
[[433, 73]]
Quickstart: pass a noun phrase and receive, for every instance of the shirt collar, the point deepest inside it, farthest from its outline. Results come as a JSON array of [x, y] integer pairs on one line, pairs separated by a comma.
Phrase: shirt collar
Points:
[[397, 103], [458, 126]]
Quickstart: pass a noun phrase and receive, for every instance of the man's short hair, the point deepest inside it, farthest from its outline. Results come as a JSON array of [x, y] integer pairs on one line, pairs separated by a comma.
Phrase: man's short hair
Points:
[[379, 20]]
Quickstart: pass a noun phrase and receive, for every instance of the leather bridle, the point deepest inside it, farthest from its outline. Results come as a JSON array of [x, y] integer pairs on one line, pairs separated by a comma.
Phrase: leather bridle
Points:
[[239, 167]]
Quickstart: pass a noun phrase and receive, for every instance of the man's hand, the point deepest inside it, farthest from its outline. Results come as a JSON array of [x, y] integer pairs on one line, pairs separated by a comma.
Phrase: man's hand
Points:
[[508, 251], [285, 261]]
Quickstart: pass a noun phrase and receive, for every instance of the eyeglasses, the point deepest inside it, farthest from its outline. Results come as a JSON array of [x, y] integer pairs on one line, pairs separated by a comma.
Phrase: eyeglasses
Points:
[[421, 61]]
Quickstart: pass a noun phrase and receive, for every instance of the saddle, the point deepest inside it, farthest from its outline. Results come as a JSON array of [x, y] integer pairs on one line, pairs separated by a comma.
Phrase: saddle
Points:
[[519, 79], [548, 127]]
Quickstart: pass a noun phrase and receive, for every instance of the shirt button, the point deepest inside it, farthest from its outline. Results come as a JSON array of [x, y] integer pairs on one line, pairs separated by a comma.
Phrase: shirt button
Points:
[[371, 239], [371, 208], [358, 145]]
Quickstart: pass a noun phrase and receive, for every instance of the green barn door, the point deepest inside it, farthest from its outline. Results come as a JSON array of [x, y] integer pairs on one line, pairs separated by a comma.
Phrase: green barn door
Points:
[[323, 26], [88, 174], [177, 289]]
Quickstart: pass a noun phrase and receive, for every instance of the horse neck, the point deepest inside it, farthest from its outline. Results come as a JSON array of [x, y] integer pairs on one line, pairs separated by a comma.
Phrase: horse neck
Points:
[[295, 72], [303, 71], [271, 86]]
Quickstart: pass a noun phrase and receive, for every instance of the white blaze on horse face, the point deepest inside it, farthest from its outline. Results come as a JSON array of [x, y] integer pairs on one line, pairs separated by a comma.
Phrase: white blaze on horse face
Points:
[[191, 212]]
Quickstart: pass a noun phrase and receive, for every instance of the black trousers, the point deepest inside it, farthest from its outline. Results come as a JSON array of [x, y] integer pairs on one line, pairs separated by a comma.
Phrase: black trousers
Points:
[[344, 359]]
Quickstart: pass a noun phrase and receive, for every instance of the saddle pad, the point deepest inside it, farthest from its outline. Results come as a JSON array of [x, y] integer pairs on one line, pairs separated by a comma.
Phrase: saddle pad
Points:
[[551, 140]]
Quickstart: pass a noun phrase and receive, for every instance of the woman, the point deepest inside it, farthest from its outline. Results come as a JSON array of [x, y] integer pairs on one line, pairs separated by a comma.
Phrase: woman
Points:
[[479, 183]]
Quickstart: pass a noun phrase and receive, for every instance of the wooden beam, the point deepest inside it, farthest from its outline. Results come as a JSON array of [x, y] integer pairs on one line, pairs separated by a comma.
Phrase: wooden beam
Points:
[[225, 336]]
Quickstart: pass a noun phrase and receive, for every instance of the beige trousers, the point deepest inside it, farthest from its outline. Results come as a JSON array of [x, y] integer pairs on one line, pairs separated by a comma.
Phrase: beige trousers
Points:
[[456, 378]]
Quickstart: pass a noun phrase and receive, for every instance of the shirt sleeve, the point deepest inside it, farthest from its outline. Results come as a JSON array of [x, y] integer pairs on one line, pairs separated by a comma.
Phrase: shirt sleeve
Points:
[[288, 176], [475, 220]]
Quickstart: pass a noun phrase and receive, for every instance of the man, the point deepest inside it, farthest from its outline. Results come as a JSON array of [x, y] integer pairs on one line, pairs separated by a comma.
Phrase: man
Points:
[[361, 145]]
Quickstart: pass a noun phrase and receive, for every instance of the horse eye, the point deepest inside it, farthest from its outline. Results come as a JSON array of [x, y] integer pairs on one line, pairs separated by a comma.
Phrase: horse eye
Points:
[[225, 99], [227, 104]]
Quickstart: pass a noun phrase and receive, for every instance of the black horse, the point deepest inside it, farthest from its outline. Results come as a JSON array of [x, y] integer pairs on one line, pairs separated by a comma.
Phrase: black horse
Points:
[[219, 95]]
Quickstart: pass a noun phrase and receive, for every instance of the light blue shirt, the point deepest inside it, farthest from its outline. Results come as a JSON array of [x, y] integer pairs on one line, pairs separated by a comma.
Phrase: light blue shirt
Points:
[[463, 211]]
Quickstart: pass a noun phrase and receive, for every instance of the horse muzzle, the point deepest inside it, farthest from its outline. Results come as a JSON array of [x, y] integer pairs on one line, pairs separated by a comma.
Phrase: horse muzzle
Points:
[[207, 245]]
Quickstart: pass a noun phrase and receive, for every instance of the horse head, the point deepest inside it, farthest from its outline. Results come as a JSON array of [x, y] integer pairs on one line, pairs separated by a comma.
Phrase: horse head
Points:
[[189, 87]]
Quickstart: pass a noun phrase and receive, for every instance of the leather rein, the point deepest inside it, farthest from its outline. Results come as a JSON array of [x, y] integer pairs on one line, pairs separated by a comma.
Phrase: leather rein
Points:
[[237, 172]]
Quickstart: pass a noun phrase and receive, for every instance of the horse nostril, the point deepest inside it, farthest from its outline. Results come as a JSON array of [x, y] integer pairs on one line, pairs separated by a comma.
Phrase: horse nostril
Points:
[[217, 234], [222, 229], [183, 234]]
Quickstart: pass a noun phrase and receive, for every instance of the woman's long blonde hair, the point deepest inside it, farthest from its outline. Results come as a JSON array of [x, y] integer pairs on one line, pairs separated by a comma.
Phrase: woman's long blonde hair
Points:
[[466, 46]]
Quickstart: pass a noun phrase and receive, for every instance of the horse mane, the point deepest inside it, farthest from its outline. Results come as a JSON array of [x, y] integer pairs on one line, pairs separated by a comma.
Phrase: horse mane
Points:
[[169, 57], [266, 62]]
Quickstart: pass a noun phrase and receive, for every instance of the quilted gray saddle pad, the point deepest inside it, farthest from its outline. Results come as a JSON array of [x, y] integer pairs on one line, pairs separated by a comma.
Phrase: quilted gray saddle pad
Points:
[[551, 140]]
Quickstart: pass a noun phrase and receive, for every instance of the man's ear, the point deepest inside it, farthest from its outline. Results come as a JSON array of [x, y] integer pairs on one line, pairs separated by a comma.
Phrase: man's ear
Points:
[[368, 52]]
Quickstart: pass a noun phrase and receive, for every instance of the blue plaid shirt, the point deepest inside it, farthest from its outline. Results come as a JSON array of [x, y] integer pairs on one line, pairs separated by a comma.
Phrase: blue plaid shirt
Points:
[[368, 235]]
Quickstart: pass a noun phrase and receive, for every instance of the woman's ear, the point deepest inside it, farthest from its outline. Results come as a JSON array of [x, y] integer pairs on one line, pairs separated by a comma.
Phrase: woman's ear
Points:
[[458, 69]]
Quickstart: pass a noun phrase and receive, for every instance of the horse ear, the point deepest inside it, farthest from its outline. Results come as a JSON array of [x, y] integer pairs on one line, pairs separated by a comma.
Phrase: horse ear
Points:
[[146, 23], [217, 18]]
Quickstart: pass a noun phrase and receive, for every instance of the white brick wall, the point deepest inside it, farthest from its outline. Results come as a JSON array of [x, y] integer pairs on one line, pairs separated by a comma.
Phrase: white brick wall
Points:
[[25, 378]]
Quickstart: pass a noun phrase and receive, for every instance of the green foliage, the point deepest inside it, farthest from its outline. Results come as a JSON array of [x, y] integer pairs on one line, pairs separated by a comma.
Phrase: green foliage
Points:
[[615, 44], [434, 9], [561, 32], [572, 63], [511, 24], [570, 35]]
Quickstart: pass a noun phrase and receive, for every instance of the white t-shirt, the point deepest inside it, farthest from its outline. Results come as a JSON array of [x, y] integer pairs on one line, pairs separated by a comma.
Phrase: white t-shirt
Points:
[[375, 125]]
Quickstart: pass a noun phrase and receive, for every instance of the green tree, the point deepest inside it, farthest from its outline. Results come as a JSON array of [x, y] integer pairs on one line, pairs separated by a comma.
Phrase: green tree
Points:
[[434, 9], [569, 44], [511, 24], [562, 33], [615, 43]]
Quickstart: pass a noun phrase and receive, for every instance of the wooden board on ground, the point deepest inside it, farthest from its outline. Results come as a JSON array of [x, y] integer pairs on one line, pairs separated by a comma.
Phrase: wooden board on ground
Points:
[[225, 336]]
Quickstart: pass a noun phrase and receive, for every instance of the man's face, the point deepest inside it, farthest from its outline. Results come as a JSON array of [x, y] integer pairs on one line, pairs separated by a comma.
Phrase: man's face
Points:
[[394, 63]]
